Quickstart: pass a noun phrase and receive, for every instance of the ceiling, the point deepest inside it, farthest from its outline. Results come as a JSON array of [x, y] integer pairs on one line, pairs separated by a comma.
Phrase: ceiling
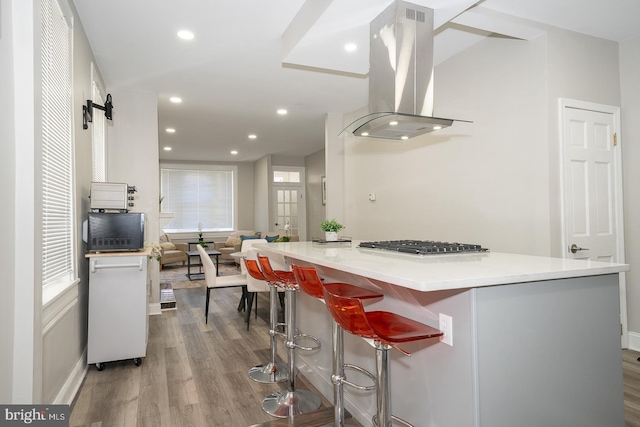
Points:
[[250, 58]]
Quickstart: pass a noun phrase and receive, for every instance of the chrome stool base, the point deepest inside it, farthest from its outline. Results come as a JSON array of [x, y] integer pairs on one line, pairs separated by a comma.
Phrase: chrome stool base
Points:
[[285, 404], [270, 373]]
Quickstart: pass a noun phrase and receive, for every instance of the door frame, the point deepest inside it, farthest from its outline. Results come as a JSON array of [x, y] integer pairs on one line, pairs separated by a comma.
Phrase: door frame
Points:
[[563, 104]]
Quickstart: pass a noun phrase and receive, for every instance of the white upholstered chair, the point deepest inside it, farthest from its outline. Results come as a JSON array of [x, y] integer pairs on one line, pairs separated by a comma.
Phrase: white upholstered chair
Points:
[[253, 285], [217, 282]]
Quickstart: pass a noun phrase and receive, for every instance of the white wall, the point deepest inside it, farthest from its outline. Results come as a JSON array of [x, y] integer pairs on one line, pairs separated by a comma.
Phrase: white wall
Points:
[[132, 147], [582, 68], [495, 181], [8, 193], [630, 83], [316, 212], [261, 193], [42, 359], [484, 182], [245, 196]]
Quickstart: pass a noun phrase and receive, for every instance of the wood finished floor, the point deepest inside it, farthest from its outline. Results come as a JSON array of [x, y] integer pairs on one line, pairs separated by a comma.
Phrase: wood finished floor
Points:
[[196, 374]]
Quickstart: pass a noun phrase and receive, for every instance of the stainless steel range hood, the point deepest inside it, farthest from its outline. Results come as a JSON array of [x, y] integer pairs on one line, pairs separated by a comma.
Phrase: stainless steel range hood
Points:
[[400, 76]]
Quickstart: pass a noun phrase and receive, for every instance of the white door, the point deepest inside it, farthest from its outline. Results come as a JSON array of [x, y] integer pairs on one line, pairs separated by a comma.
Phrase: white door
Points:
[[592, 183], [289, 204], [290, 209]]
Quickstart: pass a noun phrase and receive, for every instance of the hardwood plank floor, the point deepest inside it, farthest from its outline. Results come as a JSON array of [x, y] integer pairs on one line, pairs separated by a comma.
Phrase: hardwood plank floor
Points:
[[195, 374]]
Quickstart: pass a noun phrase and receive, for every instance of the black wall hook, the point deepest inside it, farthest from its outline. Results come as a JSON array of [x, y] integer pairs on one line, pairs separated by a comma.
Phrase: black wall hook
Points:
[[87, 111]]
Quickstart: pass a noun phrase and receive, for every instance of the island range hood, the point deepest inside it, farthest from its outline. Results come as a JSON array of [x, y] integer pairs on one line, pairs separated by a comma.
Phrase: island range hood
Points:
[[400, 76]]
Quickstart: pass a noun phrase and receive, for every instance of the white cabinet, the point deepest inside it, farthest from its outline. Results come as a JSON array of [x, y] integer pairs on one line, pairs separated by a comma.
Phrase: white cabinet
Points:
[[118, 307]]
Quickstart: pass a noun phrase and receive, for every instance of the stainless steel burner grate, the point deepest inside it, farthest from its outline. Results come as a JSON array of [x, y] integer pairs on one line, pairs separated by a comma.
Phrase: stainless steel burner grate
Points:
[[423, 247]]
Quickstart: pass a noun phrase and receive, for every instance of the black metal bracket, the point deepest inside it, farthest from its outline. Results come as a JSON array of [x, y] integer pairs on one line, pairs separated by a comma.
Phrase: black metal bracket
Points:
[[87, 111]]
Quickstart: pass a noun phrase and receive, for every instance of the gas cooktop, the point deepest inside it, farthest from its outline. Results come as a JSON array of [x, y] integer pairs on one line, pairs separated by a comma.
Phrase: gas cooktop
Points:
[[423, 247]]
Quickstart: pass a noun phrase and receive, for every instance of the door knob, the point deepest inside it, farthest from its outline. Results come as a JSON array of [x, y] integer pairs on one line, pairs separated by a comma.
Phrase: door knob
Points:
[[575, 248]]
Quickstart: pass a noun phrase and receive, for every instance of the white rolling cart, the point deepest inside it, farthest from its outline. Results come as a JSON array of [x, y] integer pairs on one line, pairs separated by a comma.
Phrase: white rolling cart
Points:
[[118, 307]]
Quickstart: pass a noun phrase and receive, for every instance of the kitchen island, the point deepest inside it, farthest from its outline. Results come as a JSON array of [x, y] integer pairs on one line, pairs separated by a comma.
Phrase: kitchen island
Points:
[[536, 340]]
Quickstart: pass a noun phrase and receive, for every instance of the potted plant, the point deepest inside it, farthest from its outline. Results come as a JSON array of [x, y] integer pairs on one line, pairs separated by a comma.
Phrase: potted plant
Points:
[[201, 241], [287, 226], [331, 227]]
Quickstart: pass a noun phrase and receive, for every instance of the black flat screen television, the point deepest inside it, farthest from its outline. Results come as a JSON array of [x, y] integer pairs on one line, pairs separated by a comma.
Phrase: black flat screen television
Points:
[[115, 231]]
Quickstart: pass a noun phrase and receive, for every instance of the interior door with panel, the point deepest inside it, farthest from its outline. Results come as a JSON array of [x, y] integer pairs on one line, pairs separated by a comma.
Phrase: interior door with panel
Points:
[[592, 187]]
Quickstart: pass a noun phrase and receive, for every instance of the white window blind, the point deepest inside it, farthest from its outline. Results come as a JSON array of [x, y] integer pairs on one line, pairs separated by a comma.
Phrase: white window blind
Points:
[[98, 127], [57, 147], [198, 197]]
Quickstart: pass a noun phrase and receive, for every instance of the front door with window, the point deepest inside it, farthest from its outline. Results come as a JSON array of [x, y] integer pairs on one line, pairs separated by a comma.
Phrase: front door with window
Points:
[[289, 203]]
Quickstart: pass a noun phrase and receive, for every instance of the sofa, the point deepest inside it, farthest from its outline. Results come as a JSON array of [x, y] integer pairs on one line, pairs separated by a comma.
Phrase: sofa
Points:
[[171, 252], [234, 241]]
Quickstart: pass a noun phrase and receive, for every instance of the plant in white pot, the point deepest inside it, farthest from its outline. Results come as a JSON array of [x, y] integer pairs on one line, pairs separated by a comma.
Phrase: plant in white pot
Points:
[[331, 227]]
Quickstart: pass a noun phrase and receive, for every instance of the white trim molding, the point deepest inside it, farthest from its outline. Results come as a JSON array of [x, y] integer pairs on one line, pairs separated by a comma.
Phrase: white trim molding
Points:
[[154, 308], [634, 341], [73, 383]]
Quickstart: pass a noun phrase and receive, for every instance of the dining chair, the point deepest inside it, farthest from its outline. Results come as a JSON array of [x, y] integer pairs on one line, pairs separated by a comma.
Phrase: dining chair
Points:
[[216, 282], [253, 285]]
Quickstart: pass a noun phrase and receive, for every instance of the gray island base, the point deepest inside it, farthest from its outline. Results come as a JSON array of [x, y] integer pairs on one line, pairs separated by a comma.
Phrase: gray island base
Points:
[[536, 340]]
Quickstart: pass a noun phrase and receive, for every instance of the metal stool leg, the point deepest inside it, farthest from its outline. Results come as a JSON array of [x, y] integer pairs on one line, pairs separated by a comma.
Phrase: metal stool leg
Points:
[[272, 372], [206, 306], [285, 404], [383, 385], [338, 377]]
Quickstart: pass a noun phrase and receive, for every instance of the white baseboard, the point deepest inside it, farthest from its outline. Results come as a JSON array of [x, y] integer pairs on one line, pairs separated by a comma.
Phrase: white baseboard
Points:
[[73, 383], [634, 341], [154, 308]]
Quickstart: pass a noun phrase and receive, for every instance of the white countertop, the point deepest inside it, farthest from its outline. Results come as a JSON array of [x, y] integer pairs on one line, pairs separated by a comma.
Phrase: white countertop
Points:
[[439, 272]]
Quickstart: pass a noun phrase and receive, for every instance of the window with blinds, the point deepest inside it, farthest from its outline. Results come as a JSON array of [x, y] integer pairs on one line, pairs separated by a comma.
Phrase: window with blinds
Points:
[[98, 127], [57, 145], [199, 197]]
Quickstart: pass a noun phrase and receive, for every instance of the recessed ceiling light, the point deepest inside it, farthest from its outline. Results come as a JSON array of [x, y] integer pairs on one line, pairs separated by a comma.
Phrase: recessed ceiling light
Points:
[[185, 35], [170, 130], [404, 137], [234, 152], [282, 111], [252, 136], [437, 127], [364, 134], [175, 100], [350, 47], [167, 148], [393, 123]]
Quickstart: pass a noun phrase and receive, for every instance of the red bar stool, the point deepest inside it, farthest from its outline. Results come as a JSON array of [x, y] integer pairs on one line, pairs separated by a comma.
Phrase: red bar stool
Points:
[[387, 330], [311, 284], [285, 404], [273, 371]]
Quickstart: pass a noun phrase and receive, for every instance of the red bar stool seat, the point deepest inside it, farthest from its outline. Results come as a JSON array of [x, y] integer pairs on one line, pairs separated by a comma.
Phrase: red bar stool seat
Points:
[[292, 402], [311, 284], [387, 330], [272, 371]]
